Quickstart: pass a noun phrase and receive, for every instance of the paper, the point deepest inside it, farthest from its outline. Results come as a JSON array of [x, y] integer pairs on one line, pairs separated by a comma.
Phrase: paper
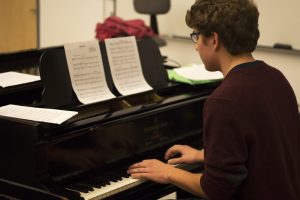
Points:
[[194, 74], [36, 114], [125, 65], [198, 72], [86, 72], [15, 78]]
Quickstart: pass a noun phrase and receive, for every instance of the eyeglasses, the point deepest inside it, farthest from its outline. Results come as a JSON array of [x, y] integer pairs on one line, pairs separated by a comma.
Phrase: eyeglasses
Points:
[[195, 36]]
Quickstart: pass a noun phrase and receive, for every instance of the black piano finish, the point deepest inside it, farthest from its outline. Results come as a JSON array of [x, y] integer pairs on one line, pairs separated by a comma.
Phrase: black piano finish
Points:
[[20, 60], [25, 94], [12, 190]]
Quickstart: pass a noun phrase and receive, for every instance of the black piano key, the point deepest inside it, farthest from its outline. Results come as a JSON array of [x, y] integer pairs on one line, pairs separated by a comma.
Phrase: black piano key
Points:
[[101, 180], [88, 187], [112, 176], [90, 183], [79, 188], [126, 175], [123, 173]]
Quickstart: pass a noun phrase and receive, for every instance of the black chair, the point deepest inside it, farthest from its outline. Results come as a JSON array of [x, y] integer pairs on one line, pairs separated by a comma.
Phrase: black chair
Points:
[[153, 8]]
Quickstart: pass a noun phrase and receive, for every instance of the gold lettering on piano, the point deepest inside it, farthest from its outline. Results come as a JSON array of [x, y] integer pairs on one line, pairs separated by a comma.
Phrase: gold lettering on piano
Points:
[[155, 132]]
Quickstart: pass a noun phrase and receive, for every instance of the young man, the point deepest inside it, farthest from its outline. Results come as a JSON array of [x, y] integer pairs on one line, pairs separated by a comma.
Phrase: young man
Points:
[[251, 121]]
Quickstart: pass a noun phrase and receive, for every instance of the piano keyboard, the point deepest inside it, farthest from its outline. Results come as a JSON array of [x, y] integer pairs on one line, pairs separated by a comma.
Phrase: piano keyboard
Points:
[[104, 186], [112, 188]]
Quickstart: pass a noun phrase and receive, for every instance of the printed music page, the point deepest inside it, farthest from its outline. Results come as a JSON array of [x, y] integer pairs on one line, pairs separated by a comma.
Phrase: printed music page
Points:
[[86, 72], [125, 65], [37, 114], [15, 78]]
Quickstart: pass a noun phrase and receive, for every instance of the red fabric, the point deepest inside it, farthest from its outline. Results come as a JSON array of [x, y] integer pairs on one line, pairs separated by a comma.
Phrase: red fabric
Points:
[[115, 26]]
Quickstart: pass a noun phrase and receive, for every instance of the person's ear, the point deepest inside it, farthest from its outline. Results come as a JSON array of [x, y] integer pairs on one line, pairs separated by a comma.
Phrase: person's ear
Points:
[[216, 40]]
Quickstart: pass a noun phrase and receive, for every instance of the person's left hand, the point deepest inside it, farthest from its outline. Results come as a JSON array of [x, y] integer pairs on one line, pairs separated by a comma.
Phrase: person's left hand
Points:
[[153, 170]]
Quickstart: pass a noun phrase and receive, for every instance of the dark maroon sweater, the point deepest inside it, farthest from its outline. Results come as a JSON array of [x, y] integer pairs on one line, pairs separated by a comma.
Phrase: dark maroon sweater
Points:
[[252, 137]]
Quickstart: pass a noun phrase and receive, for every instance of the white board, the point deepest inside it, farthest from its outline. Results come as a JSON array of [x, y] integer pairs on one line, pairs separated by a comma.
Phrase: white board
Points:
[[279, 20]]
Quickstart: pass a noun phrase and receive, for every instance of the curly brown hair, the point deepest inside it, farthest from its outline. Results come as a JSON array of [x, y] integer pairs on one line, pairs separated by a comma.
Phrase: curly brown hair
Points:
[[235, 21]]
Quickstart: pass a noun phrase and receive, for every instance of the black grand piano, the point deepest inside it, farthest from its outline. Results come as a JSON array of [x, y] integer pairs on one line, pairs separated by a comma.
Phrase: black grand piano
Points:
[[87, 156]]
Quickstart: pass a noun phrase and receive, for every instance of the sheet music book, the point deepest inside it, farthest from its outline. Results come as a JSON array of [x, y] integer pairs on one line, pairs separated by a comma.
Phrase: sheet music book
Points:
[[126, 66], [86, 72], [36, 114], [15, 78]]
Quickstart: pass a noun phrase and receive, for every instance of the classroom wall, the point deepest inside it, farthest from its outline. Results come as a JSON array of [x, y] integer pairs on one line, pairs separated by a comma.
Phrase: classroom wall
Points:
[[279, 22], [63, 21]]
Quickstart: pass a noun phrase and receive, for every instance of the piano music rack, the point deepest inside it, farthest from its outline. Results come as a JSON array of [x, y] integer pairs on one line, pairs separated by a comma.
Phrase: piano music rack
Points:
[[58, 90]]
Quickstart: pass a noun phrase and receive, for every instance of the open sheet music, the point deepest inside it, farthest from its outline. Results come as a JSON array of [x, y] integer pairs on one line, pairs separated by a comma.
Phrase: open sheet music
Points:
[[87, 72], [36, 114], [15, 78], [126, 66]]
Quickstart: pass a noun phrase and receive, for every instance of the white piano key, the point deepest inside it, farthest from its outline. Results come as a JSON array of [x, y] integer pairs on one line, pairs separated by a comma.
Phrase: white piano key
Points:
[[115, 187], [112, 188]]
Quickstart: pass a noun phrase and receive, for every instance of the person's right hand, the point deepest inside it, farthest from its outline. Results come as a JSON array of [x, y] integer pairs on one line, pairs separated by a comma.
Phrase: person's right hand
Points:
[[186, 154]]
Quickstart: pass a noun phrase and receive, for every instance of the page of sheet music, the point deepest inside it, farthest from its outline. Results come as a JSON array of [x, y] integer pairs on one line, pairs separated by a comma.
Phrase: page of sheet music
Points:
[[197, 72], [15, 78], [125, 65], [86, 72], [36, 114]]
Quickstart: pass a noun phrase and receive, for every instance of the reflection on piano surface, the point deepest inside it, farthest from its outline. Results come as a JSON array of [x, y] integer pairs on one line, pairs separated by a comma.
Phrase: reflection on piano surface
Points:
[[87, 156], [11, 190]]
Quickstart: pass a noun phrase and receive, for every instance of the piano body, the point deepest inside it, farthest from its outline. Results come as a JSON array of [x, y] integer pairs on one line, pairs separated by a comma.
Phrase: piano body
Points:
[[87, 156]]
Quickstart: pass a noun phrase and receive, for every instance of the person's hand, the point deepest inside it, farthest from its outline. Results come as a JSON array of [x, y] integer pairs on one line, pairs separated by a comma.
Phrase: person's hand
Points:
[[186, 154], [153, 170]]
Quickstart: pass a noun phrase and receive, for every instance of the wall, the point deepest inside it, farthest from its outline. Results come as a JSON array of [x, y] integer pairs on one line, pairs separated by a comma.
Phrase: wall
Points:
[[63, 21], [279, 22]]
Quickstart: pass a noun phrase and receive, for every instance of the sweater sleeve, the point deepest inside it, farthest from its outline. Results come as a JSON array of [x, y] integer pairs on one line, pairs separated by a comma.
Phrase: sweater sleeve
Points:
[[225, 133]]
